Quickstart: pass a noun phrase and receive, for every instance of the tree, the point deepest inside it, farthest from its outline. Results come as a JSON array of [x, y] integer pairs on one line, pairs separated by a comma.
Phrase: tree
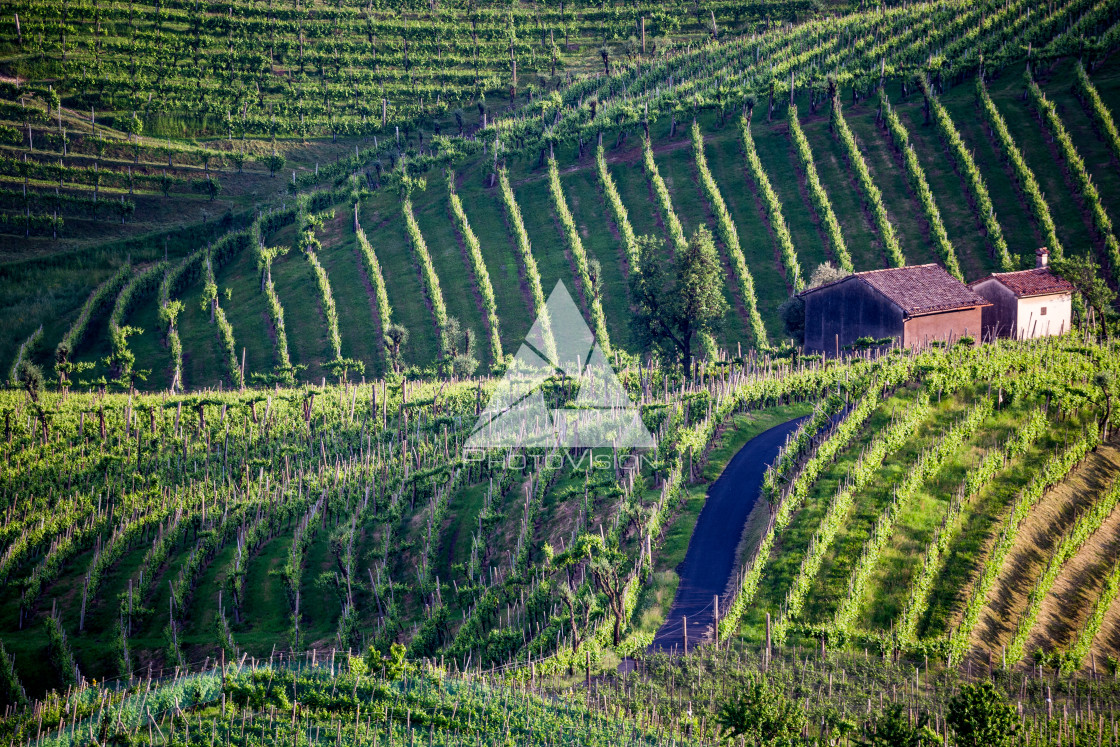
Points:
[[674, 307], [341, 368], [54, 101], [980, 717], [396, 337], [392, 662], [169, 313], [66, 368], [275, 162], [30, 377], [1085, 276], [826, 273], [460, 344], [603, 563], [133, 126], [893, 728], [761, 715], [605, 53]]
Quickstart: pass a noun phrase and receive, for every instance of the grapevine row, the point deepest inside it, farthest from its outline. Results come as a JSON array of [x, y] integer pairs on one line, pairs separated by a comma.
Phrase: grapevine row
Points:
[[891, 439], [525, 249], [1083, 528], [1024, 177], [1092, 99], [917, 601], [871, 191], [427, 273], [819, 197], [927, 465], [1077, 170], [773, 210], [591, 292], [618, 210], [730, 238], [1053, 471], [966, 165], [481, 276], [920, 185], [373, 269]]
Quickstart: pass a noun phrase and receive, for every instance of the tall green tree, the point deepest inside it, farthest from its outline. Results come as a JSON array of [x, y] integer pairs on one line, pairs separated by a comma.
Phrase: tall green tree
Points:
[[895, 728], [1086, 277], [677, 304], [762, 716], [979, 716]]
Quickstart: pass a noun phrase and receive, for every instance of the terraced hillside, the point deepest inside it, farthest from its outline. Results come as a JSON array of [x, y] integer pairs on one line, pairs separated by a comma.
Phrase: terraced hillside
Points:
[[863, 179], [147, 530]]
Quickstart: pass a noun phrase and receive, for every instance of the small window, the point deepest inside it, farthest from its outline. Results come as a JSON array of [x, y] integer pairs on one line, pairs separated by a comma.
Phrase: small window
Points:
[[1043, 312]]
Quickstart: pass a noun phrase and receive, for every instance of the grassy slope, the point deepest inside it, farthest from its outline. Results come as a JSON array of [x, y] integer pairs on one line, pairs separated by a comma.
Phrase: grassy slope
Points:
[[971, 546], [1019, 228], [916, 526], [677, 167], [843, 192], [831, 586], [776, 151], [1030, 135], [150, 346], [453, 266], [728, 167], [202, 349], [384, 226], [889, 174], [602, 242], [308, 341], [1064, 611], [1082, 127], [511, 294], [381, 218], [950, 192], [247, 312], [530, 187], [358, 325]]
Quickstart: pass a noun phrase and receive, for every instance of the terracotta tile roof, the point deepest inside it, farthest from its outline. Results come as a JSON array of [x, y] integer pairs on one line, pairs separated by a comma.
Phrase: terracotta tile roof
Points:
[[1037, 282], [919, 289]]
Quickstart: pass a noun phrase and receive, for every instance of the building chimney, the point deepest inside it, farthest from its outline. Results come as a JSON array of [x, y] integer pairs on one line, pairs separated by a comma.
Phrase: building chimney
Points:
[[1042, 258]]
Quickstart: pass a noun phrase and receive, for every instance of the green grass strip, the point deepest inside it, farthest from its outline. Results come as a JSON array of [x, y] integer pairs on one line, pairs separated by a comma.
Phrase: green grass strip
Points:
[[1076, 166], [920, 185], [1083, 528], [819, 197], [1024, 177], [874, 197], [917, 601], [579, 254], [773, 210], [973, 178], [725, 226], [478, 265], [1052, 472]]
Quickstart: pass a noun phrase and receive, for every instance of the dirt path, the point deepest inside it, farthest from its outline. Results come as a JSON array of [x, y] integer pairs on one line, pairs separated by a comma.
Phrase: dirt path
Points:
[[1034, 545], [710, 560]]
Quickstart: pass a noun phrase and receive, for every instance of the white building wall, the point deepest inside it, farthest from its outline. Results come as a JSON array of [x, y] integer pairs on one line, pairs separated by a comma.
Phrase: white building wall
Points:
[[1042, 316]]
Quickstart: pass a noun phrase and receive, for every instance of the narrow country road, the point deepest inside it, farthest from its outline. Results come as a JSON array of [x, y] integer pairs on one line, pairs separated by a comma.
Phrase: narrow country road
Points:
[[710, 560]]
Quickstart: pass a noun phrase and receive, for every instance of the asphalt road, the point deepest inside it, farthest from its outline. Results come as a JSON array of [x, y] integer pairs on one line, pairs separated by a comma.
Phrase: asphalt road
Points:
[[710, 561]]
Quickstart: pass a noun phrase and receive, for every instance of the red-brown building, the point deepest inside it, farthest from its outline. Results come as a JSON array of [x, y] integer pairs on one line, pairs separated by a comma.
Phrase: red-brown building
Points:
[[914, 305], [1028, 303]]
